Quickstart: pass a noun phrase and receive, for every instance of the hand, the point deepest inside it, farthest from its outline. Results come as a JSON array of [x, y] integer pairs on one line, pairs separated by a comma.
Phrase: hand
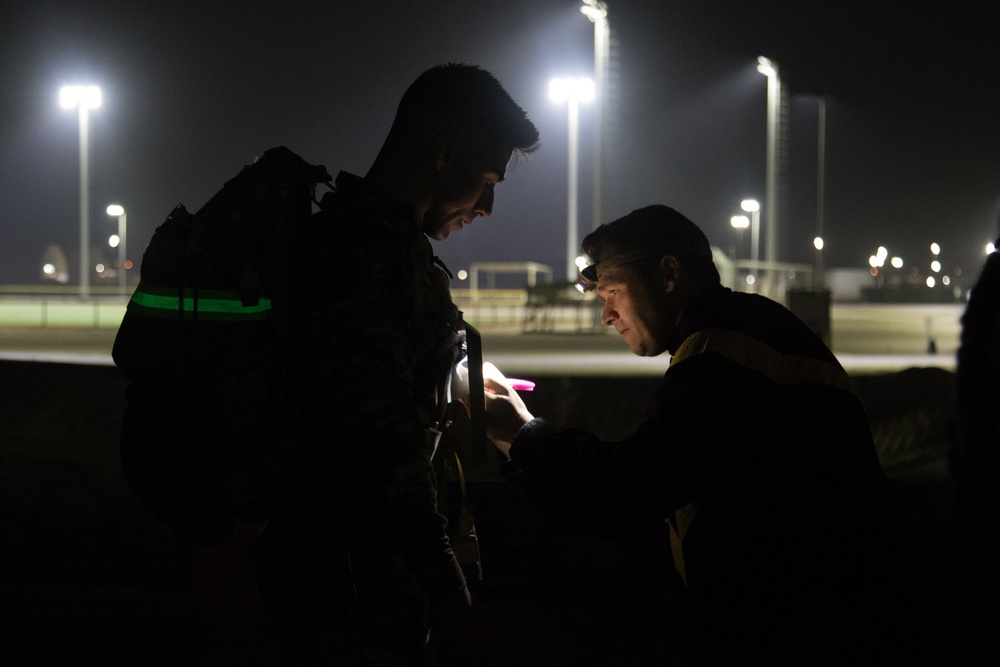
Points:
[[505, 411]]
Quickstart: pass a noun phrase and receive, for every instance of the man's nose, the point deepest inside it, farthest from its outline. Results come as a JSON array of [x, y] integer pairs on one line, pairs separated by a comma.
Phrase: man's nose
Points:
[[608, 315]]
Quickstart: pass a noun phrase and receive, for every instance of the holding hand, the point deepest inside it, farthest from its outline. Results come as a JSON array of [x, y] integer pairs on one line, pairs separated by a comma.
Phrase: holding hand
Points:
[[505, 411]]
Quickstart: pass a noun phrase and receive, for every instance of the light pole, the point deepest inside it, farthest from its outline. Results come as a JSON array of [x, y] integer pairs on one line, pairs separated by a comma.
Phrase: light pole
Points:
[[572, 91], [739, 222], [597, 12], [820, 281], [752, 206], [83, 98], [119, 211], [770, 69]]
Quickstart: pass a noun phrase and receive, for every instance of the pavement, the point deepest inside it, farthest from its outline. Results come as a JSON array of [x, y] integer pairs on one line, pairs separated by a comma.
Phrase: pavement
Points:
[[88, 574]]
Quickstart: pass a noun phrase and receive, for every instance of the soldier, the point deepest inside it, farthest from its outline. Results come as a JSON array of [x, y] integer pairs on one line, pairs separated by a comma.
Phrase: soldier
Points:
[[754, 454], [357, 567]]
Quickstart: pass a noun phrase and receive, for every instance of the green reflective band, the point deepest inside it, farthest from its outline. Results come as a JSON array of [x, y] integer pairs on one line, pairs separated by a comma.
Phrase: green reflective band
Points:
[[211, 305]]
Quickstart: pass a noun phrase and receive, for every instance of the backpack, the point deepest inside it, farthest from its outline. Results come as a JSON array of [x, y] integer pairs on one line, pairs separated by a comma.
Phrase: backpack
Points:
[[209, 435]]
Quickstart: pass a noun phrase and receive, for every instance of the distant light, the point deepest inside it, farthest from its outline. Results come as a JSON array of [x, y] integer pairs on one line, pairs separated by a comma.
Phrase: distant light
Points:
[[818, 243], [594, 10], [581, 89], [750, 205], [751, 280], [945, 280], [75, 96], [49, 269], [873, 261], [881, 253], [765, 66], [462, 274], [739, 221], [580, 262], [936, 266], [116, 210], [935, 248], [990, 248], [930, 281], [897, 262], [99, 268], [113, 240], [873, 271], [128, 263]]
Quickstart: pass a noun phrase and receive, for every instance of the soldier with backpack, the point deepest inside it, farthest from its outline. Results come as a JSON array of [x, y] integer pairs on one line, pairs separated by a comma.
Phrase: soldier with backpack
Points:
[[356, 566]]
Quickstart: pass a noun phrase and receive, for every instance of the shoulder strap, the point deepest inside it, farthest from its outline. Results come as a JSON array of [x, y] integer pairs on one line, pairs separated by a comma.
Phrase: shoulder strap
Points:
[[477, 398]]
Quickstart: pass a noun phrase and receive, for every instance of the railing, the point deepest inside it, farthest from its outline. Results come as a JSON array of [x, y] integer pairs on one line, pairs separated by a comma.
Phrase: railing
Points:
[[532, 309], [57, 306], [856, 327]]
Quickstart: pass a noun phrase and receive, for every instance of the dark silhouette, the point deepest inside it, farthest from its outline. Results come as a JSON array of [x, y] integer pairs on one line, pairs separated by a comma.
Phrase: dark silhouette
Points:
[[357, 567], [754, 453], [969, 597]]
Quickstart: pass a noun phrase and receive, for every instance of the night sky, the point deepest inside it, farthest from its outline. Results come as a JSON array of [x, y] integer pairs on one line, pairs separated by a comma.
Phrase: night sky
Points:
[[194, 90]]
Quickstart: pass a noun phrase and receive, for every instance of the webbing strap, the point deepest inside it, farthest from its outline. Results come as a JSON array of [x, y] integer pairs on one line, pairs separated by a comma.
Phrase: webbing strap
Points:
[[477, 397], [204, 304]]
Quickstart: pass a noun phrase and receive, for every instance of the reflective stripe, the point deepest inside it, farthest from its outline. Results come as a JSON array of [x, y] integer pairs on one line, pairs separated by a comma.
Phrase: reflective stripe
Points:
[[210, 305], [751, 353], [679, 523]]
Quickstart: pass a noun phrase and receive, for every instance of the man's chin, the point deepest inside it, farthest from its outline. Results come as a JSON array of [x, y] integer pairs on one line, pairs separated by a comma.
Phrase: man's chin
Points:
[[443, 232], [439, 234]]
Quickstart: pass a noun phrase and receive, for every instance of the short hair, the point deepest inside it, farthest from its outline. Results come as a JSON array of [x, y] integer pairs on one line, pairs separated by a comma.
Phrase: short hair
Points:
[[655, 230], [465, 98]]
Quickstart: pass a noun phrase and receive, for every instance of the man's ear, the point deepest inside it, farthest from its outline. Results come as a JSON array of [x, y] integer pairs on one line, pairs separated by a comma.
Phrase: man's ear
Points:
[[670, 270], [445, 146]]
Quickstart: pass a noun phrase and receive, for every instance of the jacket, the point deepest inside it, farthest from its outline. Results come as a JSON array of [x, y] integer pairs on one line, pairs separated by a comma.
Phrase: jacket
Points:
[[374, 331], [756, 455]]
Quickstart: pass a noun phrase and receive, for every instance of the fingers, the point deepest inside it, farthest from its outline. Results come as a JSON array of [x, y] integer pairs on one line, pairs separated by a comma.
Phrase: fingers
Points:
[[497, 387], [491, 372]]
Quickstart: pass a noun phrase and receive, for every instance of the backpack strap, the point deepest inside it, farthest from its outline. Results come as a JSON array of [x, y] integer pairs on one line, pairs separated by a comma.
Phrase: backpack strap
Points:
[[477, 398]]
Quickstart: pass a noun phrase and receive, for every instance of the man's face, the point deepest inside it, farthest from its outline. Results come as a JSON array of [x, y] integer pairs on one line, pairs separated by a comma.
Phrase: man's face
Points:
[[463, 187], [643, 313]]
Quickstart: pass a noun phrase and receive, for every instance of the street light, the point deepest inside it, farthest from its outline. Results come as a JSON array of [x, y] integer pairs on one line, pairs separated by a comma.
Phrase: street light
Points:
[[118, 211], [739, 222], [769, 69], [597, 12], [752, 206], [83, 98], [572, 91], [820, 280]]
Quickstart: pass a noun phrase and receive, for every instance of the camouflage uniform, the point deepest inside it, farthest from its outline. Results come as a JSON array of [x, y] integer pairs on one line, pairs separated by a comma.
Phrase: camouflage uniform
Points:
[[347, 567]]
